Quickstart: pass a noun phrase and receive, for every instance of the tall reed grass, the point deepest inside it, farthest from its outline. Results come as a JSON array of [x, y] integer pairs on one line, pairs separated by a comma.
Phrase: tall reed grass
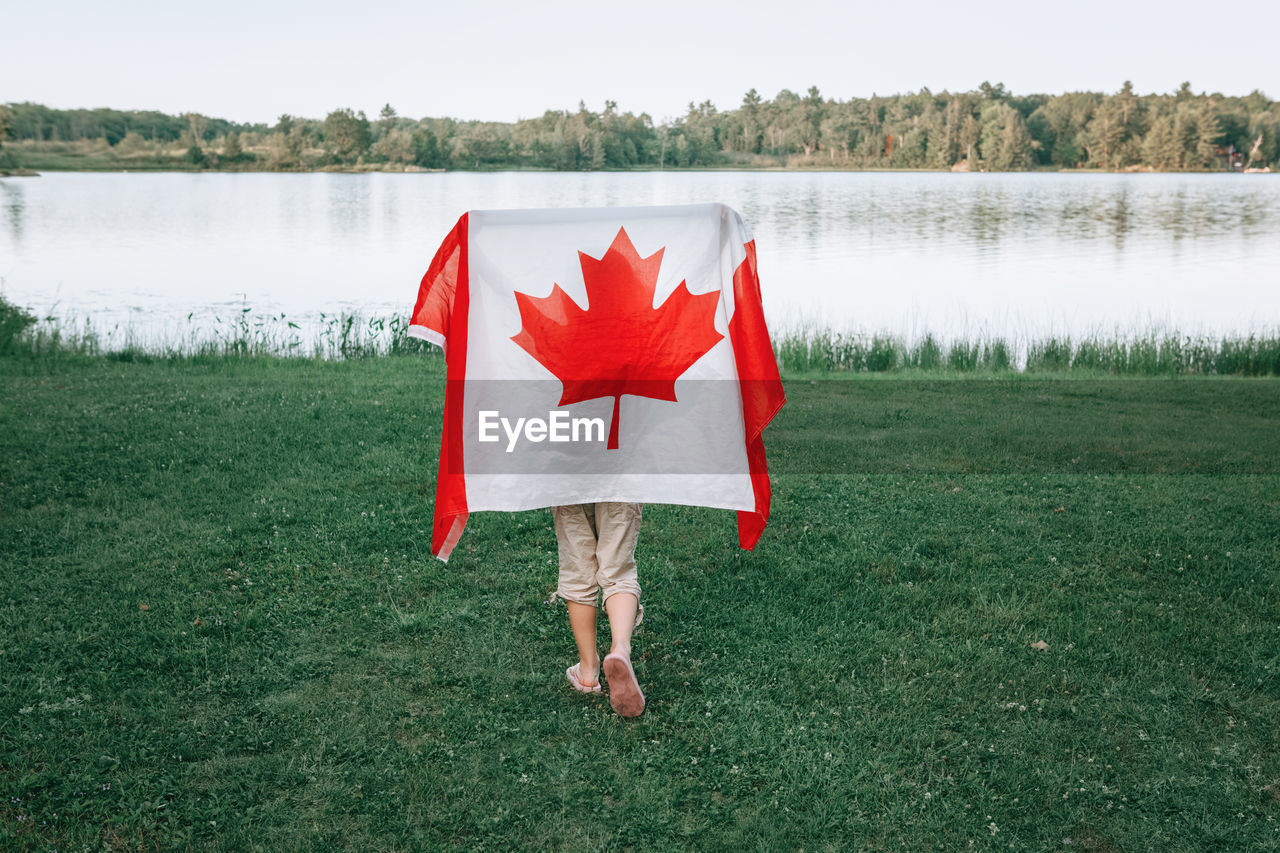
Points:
[[810, 349], [244, 334]]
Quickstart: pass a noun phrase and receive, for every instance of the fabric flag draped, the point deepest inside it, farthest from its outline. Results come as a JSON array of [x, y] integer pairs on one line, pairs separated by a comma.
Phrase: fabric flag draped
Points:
[[604, 354]]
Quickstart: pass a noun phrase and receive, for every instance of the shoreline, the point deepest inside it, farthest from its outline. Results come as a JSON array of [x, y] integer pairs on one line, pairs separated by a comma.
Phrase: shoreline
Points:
[[29, 172], [800, 352]]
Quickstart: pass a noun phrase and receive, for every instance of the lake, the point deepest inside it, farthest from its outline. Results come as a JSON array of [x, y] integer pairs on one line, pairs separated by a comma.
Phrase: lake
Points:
[[167, 255]]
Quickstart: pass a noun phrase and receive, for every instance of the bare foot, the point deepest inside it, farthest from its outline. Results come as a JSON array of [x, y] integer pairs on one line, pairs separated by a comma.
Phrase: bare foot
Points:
[[624, 688], [579, 682]]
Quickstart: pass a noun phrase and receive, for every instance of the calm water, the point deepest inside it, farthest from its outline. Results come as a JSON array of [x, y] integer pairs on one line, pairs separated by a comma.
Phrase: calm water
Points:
[[1011, 254]]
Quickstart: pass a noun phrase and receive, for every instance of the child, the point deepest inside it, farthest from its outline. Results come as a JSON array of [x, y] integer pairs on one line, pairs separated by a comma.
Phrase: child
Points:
[[597, 544]]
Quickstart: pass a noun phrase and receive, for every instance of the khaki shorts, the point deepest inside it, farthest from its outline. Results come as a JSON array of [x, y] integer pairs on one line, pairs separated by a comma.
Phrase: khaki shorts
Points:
[[597, 550]]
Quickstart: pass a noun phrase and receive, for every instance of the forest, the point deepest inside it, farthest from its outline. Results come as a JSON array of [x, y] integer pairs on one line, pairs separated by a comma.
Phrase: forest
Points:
[[987, 129]]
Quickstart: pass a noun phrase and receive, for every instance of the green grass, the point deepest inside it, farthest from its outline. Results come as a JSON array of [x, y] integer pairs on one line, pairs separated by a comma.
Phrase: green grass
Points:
[[89, 156], [221, 626]]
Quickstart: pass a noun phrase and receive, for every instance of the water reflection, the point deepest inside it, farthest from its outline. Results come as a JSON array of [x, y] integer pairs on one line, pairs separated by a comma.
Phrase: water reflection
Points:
[[13, 206], [348, 201], [880, 251]]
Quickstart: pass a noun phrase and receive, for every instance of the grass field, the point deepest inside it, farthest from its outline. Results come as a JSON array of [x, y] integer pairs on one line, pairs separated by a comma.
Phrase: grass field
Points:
[[988, 613]]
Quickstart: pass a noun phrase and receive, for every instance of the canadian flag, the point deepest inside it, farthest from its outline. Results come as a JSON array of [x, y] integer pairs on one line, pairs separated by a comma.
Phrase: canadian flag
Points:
[[606, 354]]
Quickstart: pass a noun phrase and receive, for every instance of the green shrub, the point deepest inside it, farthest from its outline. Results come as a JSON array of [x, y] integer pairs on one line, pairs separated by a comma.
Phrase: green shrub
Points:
[[996, 355], [927, 355], [964, 355], [14, 320], [1049, 354]]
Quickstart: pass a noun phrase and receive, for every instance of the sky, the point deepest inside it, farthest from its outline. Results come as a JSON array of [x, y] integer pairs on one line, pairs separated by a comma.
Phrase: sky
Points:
[[500, 61]]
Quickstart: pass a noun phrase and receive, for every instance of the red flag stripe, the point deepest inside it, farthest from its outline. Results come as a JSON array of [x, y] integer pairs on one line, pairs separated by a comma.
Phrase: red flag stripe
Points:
[[760, 385]]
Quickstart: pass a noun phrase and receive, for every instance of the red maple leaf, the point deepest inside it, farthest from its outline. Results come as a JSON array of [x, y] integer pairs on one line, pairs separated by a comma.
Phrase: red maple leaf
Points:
[[620, 344]]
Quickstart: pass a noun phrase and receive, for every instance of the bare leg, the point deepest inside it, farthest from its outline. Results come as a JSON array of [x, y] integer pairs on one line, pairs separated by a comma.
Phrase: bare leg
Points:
[[621, 607], [582, 619]]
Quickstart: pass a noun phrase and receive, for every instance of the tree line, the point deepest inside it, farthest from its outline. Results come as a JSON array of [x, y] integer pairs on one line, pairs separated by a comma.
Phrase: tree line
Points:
[[988, 128]]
